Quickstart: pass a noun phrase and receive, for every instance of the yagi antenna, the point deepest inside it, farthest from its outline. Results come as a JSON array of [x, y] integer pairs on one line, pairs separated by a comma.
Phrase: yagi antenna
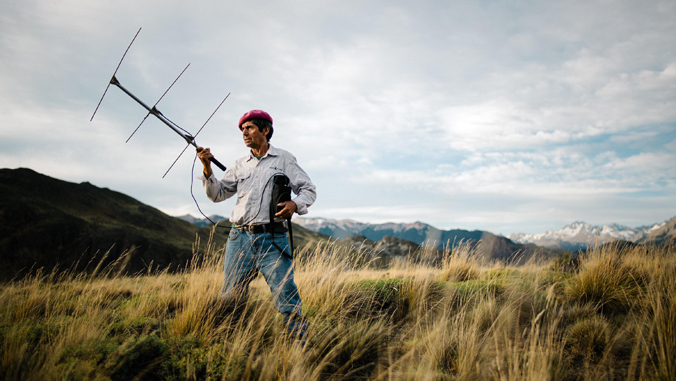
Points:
[[154, 111]]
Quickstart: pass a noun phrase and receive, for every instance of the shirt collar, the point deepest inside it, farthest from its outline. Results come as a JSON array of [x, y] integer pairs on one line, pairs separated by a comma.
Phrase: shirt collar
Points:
[[272, 151]]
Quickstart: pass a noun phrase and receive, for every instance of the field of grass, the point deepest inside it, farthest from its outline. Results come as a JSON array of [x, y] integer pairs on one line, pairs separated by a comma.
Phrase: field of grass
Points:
[[609, 316]]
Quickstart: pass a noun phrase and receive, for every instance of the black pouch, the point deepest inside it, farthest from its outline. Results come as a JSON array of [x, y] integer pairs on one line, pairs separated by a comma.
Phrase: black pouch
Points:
[[281, 191]]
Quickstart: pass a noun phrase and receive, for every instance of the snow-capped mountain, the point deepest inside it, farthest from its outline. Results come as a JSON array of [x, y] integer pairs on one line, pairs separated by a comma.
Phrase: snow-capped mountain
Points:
[[418, 232], [347, 228], [581, 235], [489, 244]]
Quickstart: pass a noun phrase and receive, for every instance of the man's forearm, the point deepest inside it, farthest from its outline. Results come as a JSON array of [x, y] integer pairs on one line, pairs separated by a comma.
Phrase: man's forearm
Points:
[[205, 155], [207, 171]]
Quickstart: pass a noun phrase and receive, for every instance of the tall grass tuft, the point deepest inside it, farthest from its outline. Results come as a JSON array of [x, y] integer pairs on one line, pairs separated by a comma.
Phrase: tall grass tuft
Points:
[[608, 278], [460, 264]]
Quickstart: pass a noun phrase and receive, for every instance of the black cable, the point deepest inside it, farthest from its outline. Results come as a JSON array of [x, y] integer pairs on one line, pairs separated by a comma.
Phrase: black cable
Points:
[[192, 176]]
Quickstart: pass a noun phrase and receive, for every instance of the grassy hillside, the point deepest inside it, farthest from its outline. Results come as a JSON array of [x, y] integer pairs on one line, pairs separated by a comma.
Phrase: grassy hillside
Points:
[[45, 222], [608, 315]]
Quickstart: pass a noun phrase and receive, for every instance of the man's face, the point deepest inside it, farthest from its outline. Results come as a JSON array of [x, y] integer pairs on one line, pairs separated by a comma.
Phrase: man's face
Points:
[[253, 138]]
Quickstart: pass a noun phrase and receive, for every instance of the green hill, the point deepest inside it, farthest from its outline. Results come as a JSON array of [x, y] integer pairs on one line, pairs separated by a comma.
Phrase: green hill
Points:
[[45, 222]]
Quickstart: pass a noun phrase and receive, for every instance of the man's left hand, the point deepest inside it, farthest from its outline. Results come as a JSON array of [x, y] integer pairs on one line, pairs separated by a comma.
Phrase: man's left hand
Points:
[[289, 208]]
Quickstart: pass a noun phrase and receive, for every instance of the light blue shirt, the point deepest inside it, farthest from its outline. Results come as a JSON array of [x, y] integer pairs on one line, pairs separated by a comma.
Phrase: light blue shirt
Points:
[[251, 180]]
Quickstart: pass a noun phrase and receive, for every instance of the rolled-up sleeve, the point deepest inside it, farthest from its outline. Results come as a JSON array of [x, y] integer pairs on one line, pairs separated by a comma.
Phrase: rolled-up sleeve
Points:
[[220, 190], [302, 186]]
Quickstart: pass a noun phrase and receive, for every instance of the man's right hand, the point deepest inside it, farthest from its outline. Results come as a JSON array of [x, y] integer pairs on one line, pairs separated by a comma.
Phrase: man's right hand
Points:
[[205, 154]]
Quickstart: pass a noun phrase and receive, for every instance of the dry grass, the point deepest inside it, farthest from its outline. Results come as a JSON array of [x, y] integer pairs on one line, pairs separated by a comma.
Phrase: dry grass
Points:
[[614, 318]]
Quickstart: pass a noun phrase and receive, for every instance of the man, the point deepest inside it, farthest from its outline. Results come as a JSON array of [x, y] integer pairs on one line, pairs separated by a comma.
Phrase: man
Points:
[[251, 247]]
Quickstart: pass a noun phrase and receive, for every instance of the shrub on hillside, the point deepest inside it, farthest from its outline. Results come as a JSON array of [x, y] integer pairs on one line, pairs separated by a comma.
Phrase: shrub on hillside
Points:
[[588, 339], [607, 282]]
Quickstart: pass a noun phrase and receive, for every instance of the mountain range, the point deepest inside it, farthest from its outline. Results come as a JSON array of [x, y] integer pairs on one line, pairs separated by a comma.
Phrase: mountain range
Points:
[[203, 222], [486, 243], [580, 235], [573, 237], [418, 232]]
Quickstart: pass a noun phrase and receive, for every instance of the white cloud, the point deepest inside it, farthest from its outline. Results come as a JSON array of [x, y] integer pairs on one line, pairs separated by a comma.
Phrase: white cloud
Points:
[[658, 164]]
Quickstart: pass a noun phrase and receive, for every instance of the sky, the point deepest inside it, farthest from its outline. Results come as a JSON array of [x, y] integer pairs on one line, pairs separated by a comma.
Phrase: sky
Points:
[[505, 116]]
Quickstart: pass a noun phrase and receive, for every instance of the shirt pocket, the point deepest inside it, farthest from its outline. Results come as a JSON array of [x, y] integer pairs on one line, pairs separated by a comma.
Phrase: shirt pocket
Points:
[[244, 183]]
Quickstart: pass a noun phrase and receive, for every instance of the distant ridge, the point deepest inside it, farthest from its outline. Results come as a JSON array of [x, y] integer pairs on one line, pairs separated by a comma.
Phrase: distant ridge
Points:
[[202, 221], [489, 244], [663, 235], [580, 235], [418, 232], [45, 222]]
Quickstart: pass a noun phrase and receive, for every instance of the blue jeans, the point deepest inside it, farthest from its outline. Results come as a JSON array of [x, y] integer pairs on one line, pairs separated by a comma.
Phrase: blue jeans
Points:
[[246, 254]]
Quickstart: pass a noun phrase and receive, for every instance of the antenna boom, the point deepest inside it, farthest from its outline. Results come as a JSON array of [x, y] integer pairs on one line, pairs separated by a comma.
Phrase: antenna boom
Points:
[[153, 110]]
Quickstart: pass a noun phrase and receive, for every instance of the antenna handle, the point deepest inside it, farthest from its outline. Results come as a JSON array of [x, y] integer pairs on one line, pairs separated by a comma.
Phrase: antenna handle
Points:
[[218, 163]]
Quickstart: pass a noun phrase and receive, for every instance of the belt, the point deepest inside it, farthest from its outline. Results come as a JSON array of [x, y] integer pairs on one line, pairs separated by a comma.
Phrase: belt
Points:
[[277, 227]]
